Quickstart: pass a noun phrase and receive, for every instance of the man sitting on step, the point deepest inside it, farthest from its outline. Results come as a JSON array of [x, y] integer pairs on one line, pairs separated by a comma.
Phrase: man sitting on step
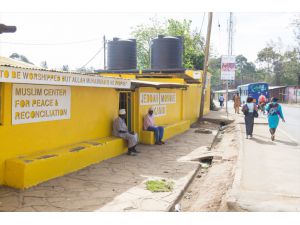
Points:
[[149, 125], [120, 130]]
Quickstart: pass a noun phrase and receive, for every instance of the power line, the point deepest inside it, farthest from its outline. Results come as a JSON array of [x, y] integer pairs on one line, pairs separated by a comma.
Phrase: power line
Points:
[[201, 30], [202, 24], [92, 57], [49, 44]]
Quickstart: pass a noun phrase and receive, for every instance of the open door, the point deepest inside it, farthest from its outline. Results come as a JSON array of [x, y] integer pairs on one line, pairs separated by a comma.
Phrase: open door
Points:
[[126, 103]]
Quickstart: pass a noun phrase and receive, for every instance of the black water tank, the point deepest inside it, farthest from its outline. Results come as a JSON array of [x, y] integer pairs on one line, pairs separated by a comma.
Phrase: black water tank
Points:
[[166, 52], [121, 54]]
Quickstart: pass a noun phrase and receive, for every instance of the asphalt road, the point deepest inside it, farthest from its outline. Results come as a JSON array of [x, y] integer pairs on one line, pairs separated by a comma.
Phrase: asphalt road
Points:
[[292, 116]]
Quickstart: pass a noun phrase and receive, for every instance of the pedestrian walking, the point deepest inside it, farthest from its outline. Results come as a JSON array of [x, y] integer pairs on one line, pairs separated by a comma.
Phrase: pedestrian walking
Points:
[[262, 103], [120, 130], [237, 103], [274, 113], [221, 100], [250, 111]]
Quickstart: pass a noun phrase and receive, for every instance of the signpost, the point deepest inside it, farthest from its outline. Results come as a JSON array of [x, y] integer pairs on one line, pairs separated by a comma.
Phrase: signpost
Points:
[[227, 72]]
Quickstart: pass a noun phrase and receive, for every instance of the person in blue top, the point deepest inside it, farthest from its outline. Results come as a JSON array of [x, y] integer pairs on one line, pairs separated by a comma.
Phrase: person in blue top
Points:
[[274, 113], [221, 100]]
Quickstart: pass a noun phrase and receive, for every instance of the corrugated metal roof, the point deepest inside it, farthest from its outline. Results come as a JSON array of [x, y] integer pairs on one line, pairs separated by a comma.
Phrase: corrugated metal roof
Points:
[[15, 63], [224, 91], [4, 61]]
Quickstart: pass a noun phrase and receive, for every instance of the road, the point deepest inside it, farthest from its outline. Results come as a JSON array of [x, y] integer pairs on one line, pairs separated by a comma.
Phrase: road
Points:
[[292, 125], [267, 177], [292, 117]]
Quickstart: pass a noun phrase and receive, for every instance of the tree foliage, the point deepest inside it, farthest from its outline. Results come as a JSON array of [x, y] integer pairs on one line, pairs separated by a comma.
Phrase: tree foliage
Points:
[[20, 57], [65, 68], [281, 67], [44, 64], [193, 56]]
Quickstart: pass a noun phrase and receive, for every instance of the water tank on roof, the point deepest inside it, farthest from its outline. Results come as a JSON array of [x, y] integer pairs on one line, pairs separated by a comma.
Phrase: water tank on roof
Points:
[[166, 52], [121, 54]]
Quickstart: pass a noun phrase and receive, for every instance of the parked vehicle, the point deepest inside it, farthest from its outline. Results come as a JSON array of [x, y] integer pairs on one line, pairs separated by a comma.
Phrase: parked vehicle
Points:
[[253, 90]]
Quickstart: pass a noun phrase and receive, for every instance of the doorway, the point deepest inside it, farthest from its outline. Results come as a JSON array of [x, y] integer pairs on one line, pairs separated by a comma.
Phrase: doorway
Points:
[[125, 103]]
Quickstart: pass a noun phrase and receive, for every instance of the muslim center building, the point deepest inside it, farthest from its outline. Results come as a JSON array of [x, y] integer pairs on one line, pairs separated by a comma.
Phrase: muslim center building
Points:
[[54, 122]]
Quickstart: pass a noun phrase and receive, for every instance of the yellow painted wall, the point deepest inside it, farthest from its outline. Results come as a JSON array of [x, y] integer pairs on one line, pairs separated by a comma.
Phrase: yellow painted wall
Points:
[[192, 98], [92, 113], [174, 111]]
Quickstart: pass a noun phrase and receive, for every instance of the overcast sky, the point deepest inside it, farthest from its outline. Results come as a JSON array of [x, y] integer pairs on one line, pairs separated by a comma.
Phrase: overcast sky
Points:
[[47, 36]]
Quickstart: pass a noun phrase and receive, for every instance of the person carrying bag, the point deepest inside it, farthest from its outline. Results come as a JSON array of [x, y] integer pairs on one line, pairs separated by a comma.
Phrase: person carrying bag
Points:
[[250, 111]]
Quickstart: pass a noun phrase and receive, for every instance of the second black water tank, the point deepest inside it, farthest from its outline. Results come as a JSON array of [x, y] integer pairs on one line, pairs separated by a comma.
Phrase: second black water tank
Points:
[[166, 52], [121, 54]]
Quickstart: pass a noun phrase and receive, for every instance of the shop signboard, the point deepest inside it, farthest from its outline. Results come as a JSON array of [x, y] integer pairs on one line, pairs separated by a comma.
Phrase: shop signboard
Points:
[[39, 103], [228, 67], [29, 76]]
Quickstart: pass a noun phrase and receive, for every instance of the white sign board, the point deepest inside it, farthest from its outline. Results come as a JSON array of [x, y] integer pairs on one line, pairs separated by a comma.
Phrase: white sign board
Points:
[[228, 67], [39, 103], [167, 98], [197, 74], [158, 101], [28, 76], [149, 98], [159, 110]]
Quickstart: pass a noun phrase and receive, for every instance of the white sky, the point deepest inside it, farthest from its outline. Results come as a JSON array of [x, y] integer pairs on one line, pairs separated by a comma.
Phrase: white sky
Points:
[[35, 25]]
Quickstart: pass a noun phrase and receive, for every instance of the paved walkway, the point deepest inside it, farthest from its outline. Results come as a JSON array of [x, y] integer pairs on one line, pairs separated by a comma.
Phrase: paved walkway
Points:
[[267, 176], [118, 184]]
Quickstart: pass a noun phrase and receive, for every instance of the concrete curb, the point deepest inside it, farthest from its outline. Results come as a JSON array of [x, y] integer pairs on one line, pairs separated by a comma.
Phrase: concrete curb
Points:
[[237, 170]]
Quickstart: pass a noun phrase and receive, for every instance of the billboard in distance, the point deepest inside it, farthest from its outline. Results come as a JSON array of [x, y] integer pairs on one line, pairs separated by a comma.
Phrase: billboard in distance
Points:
[[228, 67]]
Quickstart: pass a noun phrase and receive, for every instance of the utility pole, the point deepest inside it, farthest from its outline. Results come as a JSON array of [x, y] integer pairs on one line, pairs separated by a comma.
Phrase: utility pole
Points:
[[230, 40], [203, 92], [104, 52]]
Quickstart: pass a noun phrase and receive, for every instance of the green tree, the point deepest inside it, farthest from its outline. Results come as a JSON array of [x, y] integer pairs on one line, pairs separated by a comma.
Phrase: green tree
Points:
[[193, 56], [215, 70], [65, 68], [296, 24], [291, 67], [20, 57], [271, 61], [44, 64], [144, 33]]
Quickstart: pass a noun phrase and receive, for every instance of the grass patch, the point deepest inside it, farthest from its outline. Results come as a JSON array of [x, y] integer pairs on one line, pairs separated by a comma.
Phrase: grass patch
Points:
[[159, 185]]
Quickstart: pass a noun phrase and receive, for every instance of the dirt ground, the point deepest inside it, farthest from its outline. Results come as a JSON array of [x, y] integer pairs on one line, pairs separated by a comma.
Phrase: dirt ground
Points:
[[207, 192]]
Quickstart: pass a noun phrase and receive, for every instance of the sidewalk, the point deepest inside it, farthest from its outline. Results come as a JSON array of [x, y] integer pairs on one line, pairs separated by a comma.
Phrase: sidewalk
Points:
[[267, 176], [118, 184]]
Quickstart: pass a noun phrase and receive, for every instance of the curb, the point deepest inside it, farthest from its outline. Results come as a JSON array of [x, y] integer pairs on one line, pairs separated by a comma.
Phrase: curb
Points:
[[237, 170], [186, 186]]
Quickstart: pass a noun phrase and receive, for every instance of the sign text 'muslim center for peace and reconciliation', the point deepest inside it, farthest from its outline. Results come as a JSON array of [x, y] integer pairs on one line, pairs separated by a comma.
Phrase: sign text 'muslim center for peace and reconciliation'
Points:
[[39, 103]]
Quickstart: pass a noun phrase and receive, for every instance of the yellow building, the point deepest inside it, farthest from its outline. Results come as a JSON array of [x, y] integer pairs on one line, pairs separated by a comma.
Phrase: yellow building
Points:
[[53, 122]]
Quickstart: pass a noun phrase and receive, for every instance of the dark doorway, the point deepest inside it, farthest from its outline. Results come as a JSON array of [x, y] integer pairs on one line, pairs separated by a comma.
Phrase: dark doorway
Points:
[[125, 103]]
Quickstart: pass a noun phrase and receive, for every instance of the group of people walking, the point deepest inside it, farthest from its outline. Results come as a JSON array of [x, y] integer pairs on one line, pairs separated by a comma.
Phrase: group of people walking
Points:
[[273, 109]]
